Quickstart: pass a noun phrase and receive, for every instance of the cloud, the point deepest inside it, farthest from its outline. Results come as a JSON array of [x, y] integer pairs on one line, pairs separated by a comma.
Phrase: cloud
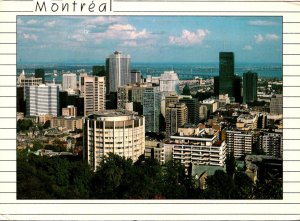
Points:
[[130, 44], [272, 37], [267, 37], [262, 23], [258, 38], [125, 31], [102, 20], [20, 21], [139, 43], [30, 37], [188, 38], [31, 22], [50, 23], [247, 48]]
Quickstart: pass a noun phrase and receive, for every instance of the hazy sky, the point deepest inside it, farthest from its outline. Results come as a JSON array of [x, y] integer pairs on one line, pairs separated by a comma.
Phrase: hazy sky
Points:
[[148, 38]]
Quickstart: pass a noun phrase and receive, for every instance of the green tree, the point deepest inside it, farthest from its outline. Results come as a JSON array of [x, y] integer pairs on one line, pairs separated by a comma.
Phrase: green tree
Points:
[[37, 144], [186, 90], [243, 186], [46, 124], [108, 177], [230, 164], [24, 125], [174, 181], [219, 186]]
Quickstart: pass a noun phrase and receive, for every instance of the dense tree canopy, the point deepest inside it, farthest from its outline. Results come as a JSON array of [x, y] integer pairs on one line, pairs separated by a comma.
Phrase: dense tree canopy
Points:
[[119, 178]]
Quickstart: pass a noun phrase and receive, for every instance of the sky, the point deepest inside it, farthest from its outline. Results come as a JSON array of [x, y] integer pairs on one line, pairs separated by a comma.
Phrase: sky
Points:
[[187, 39]]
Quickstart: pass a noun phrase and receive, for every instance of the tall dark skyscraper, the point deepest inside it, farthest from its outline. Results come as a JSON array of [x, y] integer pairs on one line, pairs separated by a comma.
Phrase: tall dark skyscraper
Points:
[[249, 87], [193, 108], [216, 85], [99, 70], [237, 89], [40, 73], [226, 73]]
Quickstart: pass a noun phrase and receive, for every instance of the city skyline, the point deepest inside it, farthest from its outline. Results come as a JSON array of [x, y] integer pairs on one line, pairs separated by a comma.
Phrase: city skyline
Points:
[[86, 39]]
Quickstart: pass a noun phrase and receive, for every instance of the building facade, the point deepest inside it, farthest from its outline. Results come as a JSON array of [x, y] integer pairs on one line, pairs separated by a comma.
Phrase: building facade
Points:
[[169, 82], [193, 108], [42, 99], [276, 104], [151, 109], [135, 76], [198, 149], [69, 81], [69, 111], [111, 131], [226, 73], [124, 96], [271, 144], [249, 87], [69, 123], [118, 68], [239, 143], [40, 73], [93, 91], [176, 116]]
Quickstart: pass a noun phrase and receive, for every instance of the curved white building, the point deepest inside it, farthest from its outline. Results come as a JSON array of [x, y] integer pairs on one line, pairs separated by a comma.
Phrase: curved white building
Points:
[[113, 131]]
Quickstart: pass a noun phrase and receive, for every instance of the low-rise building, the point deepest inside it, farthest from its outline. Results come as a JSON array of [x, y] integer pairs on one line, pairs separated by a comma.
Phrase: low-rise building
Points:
[[271, 144], [156, 150], [69, 111], [247, 122], [199, 148], [70, 123], [239, 143]]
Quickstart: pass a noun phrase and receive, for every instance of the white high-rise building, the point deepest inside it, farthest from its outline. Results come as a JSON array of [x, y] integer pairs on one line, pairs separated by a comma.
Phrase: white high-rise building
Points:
[[93, 91], [169, 82], [69, 81], [42, 99], [118, 67], [111, 131]]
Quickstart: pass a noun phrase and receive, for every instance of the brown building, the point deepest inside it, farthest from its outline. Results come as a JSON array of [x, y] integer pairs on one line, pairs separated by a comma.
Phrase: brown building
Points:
[[176, 116]]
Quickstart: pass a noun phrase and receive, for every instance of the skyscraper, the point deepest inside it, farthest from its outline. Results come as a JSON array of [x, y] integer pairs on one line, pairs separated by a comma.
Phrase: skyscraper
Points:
[[40, 73], [176, 116], [226, 73], [151, 109], [193, 108], [69, 81], [169, 82], [118, 68], [249, 87], [135, 76], [276, 104], [42, 99], [216, 85], [237, 89], [93, 91], [99, 70], [124, 96]]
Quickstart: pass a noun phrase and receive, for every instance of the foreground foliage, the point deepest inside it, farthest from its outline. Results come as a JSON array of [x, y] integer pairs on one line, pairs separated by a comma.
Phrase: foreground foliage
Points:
[[119, 178]]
